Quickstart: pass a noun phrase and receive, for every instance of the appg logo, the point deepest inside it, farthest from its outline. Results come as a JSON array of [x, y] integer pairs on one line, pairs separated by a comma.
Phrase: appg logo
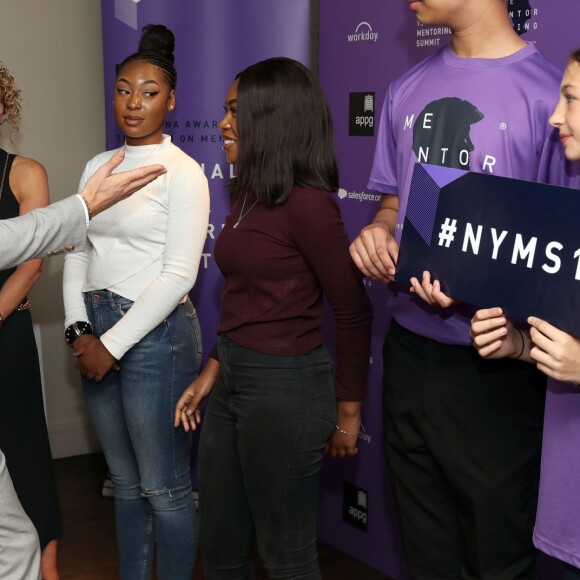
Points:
[[355, 506], [361, 107], [363, 33]]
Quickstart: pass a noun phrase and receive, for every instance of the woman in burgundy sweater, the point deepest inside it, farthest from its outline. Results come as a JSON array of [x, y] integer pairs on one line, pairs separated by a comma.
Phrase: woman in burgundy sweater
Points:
[[277, 403]]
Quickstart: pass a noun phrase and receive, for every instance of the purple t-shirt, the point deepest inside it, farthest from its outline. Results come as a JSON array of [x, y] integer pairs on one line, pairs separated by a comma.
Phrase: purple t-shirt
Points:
[[483, 115], [556, 531]]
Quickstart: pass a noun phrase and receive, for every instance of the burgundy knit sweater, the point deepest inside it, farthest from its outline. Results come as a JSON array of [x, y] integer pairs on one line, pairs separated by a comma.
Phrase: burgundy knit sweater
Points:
[[278, 263]]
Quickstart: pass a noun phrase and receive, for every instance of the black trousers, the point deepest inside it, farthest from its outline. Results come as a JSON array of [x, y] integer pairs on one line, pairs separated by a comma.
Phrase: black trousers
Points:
[[570, 572], [260, 456], [463, 439]]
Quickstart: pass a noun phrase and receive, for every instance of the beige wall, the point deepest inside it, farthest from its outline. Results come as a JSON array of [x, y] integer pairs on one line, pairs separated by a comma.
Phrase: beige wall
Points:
[[54, 51]]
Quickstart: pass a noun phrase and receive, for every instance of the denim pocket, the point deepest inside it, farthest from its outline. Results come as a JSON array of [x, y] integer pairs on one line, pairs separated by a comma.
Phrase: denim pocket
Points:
[[325, 391], [194, 321]]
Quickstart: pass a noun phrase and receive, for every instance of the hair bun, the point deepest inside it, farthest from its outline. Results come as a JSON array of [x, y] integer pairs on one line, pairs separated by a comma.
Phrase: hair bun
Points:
[[157, 38]]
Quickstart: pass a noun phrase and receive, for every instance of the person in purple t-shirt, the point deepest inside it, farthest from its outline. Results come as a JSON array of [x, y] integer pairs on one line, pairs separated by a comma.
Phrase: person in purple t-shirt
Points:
[[462, 434], [557, 354]]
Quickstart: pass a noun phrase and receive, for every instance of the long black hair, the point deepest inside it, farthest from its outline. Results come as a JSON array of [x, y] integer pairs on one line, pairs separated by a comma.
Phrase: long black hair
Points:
[[284, 132], [156, 47]]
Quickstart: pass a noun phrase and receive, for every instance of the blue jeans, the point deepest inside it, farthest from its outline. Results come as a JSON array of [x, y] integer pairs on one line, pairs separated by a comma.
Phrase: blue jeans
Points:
[[261, 451], [149, 460]]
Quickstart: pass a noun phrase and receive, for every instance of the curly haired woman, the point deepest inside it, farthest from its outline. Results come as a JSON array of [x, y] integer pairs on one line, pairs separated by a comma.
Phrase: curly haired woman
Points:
[[25, 443]]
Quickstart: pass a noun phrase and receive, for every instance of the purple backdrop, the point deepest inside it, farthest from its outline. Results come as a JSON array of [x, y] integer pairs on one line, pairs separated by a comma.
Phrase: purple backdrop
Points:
[[363, 46]]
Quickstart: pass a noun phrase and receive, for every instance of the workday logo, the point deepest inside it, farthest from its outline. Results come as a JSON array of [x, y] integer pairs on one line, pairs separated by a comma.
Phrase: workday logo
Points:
[[363, 32], [363, 435]]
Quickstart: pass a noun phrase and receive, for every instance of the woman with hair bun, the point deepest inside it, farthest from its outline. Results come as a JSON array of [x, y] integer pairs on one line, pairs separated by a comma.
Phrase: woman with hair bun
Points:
[[132, 326]]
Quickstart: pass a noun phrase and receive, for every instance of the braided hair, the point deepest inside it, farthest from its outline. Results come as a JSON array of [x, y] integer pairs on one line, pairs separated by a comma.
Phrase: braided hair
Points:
[[156, 47]]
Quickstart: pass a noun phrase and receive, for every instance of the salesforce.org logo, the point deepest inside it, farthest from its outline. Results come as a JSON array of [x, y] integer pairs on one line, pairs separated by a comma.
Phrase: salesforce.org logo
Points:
[[358, 195], [363, 32]]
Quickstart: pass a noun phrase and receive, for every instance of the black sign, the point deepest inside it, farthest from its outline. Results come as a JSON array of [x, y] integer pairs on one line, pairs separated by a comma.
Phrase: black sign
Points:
[[495, 241]]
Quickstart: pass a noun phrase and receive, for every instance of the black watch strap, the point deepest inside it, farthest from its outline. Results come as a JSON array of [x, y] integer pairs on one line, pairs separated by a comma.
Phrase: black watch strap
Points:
[[75, 330]]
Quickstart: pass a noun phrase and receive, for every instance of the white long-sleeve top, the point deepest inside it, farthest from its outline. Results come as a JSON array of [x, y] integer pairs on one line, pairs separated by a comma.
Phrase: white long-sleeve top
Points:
[[146, 248]]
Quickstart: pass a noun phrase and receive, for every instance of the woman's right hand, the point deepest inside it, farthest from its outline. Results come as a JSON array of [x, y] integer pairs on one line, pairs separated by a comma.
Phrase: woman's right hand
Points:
[[187, 411], [493, 334]]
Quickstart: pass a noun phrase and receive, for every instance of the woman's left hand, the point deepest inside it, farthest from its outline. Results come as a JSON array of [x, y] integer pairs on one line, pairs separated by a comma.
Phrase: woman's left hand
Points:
[[430, 292], [342, 442], [94, 361]]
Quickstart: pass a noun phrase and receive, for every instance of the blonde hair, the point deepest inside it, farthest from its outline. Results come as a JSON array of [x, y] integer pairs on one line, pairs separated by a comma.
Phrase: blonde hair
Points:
[[10, 98]]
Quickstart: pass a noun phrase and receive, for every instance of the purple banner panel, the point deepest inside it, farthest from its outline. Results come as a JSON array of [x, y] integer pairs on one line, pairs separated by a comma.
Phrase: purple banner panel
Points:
[[361, 48], [364, 45]]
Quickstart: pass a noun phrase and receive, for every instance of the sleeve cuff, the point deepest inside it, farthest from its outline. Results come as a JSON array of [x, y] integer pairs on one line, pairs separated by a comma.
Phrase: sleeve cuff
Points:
[[85, 208]]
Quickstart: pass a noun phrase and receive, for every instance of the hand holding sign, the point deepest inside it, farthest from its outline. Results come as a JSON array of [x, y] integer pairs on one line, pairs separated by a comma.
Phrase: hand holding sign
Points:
[[431, 292], [375, 250], [494, 241], [494, 336], [555, 353]]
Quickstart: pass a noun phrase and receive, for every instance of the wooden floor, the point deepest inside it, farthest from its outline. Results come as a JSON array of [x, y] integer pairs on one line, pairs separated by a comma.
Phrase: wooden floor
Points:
[[88, 550]]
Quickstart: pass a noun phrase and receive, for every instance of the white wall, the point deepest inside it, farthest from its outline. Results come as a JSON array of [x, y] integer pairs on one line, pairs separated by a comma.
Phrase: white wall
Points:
[[54, 51]]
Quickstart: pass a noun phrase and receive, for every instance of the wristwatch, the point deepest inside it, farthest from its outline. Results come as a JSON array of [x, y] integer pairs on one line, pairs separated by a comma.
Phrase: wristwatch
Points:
[[75, 330]]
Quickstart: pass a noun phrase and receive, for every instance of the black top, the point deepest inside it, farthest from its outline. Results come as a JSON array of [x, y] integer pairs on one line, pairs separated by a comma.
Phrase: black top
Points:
[[9, 207]]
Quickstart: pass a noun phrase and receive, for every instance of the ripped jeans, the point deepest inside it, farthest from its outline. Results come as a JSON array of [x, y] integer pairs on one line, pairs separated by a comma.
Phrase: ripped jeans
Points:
[[148, 459]]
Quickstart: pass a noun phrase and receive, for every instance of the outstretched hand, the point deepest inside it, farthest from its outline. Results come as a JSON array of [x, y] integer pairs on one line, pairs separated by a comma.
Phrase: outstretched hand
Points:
[[104, 188]]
